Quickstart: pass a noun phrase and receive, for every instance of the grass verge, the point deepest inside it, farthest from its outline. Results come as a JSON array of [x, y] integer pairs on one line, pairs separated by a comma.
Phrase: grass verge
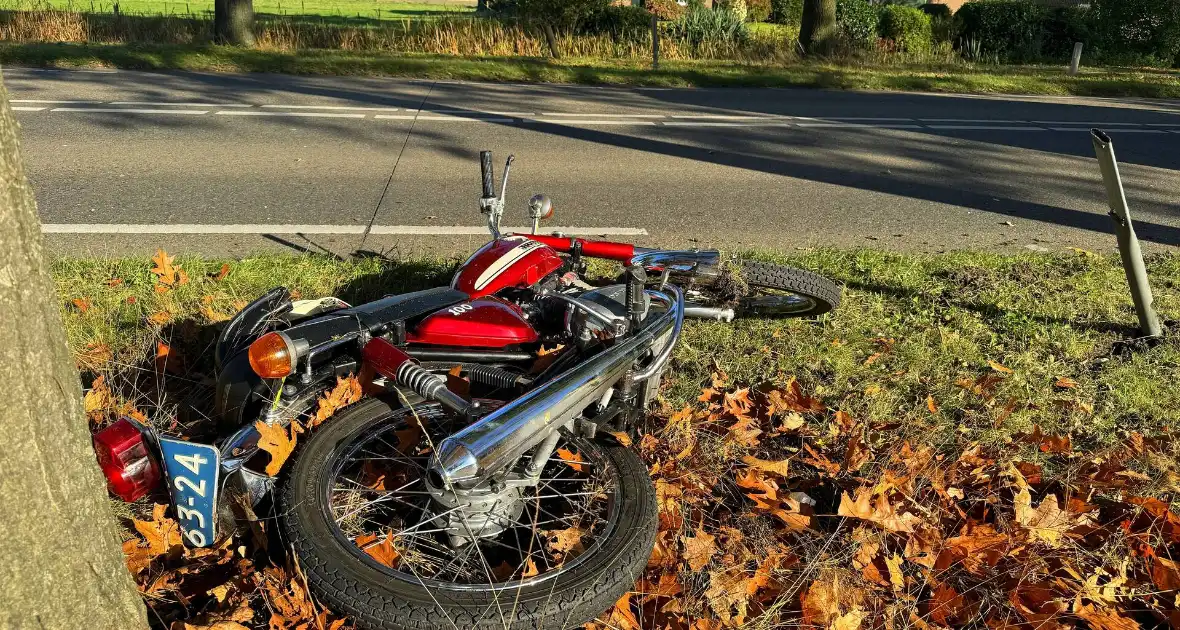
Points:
[[951, 79], [999, 435]]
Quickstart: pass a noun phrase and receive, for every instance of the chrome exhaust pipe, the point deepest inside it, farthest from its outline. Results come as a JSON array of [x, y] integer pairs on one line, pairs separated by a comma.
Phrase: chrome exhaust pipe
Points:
[[683, 266], [501, 438]]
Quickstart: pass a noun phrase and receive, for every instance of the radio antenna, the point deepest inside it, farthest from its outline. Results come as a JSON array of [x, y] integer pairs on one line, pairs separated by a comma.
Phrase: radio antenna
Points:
[[373, 219]]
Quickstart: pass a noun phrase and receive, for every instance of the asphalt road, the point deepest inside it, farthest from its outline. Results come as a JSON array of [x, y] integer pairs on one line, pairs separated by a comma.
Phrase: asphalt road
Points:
[[232, 163]]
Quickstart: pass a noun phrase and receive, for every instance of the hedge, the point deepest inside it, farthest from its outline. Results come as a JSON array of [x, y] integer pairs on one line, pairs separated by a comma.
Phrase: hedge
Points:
[[1130, 32], [858, 22], [786, 11], [909, 28]]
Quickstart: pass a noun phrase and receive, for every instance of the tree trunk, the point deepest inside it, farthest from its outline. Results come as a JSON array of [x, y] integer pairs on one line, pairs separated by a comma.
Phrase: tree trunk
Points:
[[551, 40], [481, 6], [60, 558], [817, 33], [233, 22]]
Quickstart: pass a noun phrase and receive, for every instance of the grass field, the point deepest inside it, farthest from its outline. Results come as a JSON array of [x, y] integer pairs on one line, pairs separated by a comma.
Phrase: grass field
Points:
[[929, 320], [949, 393], [375, 9], [918, 77]]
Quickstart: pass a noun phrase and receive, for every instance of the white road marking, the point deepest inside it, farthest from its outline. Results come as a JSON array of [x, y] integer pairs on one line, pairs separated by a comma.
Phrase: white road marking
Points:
[[333, 107], [1083, 124], [607, 115], [180, 104], [728, 117], [45, 102], [566, 121], [968, 120], [984, 128], [468, 112], [443, 118], [710, 123], [1116, 131], [18, 108], [299, 114], [867, 118], [1163, 124], [246, 228], [855, 126], [122, 110]]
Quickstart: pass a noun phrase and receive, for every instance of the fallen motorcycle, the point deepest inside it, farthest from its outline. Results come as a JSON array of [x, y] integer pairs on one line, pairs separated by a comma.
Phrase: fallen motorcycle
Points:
[[486, 481]]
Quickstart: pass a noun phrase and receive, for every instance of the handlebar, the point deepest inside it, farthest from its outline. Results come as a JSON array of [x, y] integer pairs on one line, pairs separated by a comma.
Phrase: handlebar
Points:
[[622, 252], [485, 167]]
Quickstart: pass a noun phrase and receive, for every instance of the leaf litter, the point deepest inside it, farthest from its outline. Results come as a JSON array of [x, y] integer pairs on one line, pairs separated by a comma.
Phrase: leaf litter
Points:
[[778, 508]]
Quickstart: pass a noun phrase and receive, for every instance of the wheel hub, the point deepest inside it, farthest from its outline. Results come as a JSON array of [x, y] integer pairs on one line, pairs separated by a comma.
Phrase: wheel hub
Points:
[[484, 511]]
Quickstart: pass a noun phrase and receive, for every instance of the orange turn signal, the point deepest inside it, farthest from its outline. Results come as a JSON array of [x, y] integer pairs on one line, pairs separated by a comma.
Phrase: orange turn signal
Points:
[[272, 355]]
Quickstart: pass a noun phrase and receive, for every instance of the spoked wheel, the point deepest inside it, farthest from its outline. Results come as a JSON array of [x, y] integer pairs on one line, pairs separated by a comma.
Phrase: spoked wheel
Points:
[[390, 545], [779, 291]]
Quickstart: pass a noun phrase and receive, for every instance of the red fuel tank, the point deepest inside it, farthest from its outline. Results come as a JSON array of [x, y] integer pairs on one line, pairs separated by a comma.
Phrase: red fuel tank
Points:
[[512, 261], [484, 323]]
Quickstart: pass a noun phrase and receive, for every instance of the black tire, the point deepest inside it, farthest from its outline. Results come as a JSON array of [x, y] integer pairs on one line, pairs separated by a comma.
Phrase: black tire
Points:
[[360, 589], [819, 294]]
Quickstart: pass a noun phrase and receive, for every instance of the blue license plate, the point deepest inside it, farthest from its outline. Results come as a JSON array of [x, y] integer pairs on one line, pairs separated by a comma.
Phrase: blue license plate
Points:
[[193, 471]]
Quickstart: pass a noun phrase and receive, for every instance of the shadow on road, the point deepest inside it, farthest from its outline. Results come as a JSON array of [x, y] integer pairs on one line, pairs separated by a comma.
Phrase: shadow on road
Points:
[[970, 169]]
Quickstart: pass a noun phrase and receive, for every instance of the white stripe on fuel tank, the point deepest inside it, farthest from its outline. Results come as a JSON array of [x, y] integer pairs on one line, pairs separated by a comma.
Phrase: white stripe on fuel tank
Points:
[[504, 262]]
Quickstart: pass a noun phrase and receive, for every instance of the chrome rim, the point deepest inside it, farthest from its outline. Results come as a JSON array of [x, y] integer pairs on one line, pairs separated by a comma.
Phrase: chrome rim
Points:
[[384, 507], [778, 304]]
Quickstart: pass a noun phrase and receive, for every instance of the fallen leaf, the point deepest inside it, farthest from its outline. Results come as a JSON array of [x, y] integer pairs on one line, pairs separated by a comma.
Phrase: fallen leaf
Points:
[[346, 392], [98, 400], [1047, 523], [222, 273], [881, 512], [931, 405], [1103, 618], [160, 318], [82, 304], [621, 617], [780, 467], [1065, 382], [1165, 574], [999, 368], [168, 275], [572, 459], [856, 454], [622, 438], [381, 550], [896, 577], [565, 541], [699, 549], [745, 432], [161, 534], [278, 442]]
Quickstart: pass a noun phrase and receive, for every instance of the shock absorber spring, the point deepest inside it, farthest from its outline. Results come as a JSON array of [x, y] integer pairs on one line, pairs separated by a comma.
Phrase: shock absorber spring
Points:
[[493, 376], [390, 362]]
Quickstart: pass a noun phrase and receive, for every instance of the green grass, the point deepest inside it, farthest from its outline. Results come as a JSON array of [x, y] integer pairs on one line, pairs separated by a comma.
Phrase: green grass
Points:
[[910, 327], [957, 78], [377, 9]]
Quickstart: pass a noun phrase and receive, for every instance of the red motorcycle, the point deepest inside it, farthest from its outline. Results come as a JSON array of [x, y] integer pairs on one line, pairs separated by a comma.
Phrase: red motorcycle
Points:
[[514, 504]]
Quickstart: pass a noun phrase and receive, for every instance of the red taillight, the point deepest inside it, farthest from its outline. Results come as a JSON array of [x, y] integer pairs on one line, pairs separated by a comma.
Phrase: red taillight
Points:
[[130, 470]]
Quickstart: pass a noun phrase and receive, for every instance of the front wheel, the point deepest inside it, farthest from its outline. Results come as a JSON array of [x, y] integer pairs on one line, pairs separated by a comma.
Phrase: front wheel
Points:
[[382, 542], [758, 289]]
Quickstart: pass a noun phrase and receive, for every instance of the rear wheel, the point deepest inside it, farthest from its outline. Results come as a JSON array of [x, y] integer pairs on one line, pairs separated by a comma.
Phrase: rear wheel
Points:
[[779, 291], [381, 542]]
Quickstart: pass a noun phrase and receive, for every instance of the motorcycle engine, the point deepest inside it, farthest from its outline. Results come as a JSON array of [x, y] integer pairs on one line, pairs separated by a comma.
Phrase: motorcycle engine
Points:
[[609, 301]]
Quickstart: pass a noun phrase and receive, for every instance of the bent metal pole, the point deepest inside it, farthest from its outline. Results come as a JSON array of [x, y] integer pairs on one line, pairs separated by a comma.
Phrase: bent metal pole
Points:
[[1149, 324]]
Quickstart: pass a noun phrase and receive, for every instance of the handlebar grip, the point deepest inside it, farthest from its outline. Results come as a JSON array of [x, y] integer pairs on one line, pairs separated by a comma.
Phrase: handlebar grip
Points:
[[485, 167]]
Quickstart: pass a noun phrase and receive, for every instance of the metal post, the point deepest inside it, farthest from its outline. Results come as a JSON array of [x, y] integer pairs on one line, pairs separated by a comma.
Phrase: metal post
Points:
[[1132, 257], [1076, 61], [655, 42]]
